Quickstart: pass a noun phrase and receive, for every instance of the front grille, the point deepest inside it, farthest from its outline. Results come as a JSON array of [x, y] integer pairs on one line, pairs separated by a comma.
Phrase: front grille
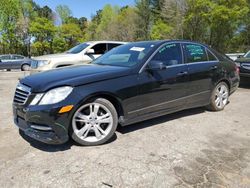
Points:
[[246, 66], [22, 93]]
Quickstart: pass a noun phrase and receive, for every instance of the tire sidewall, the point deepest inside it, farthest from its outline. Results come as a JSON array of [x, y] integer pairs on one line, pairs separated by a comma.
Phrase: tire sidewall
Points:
[[25, 67], [113, 112], [213, 105]]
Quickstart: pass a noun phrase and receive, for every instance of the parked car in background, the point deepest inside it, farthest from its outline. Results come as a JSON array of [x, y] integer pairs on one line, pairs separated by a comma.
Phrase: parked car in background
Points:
[[234, 56], [131, 83], [82, 53], [244, 65], [13, 61]]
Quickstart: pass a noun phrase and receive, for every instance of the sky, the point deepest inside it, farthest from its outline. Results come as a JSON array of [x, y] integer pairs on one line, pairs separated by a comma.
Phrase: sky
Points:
[[83, 8]]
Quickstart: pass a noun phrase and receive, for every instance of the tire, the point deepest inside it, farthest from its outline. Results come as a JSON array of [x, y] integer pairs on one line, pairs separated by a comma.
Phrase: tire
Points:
[[219, 97], [94, 122], [25, 67]]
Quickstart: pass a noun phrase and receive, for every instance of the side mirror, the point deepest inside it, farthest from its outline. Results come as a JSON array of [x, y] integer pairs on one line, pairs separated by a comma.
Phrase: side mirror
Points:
[[239, 56], [0, 61], [156, 65], [90, 52]]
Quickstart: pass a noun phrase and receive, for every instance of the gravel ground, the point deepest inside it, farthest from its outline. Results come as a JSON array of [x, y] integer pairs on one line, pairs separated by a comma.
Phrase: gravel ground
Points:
[[192, 148]]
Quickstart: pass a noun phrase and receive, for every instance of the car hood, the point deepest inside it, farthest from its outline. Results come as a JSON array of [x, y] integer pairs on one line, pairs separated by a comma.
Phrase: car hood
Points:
[[243, 60], [72, 76], [55, 56]]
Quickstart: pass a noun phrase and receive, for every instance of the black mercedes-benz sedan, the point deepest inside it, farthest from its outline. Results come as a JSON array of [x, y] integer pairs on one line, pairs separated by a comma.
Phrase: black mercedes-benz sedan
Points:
[[244, 65], [131, 83]]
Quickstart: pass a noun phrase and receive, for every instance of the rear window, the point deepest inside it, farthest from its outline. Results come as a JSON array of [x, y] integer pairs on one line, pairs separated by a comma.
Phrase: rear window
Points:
[[5, 57]]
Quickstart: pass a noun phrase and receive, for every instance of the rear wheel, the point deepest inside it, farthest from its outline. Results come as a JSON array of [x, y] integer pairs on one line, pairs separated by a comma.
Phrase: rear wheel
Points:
[[94, 123], [219, 97], [25, 67]]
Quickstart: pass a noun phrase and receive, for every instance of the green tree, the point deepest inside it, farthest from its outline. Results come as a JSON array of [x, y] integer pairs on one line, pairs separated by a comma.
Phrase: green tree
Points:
[[27, 14], [71, 33], [161, 30], [108, 15], [144, 18], [215, 22], [43, 31], [64, 12], [9, 14], [91, 28], [125, 26]]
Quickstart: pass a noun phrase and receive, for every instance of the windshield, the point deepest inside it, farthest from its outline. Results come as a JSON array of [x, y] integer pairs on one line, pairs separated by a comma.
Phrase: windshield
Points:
[[247, 55], [126, 55], [77, 49]]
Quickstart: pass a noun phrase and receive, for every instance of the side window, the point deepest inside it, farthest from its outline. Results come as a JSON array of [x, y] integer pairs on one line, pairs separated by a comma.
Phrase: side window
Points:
[[211, 57], [5, 57], [112, 45], [195, 53], [169, 54], [100, 48], [17, 57]]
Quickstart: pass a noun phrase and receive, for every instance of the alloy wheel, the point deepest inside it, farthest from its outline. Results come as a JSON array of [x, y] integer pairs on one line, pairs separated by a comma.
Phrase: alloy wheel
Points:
[[92, 122], [221, 96]]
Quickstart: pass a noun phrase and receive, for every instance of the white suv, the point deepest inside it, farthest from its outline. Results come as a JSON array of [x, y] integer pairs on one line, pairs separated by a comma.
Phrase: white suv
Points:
[[82, 53]]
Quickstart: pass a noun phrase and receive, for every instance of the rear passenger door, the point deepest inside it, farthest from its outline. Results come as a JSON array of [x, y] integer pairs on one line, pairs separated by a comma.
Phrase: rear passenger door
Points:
[[202, 70], [17, 61]]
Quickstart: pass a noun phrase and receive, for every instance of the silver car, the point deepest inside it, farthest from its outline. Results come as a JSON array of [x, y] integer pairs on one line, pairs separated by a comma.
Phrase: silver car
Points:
[[13, 61]]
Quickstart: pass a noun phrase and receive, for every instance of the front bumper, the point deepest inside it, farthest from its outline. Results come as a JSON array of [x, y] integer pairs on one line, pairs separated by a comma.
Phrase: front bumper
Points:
[[245, 75], [43, 123]]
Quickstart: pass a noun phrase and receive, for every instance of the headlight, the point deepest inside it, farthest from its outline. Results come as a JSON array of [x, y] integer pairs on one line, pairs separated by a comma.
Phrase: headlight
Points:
[[53, 96], [42, 63]]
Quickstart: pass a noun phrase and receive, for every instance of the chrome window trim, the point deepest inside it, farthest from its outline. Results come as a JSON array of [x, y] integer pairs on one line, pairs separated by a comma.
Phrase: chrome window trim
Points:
[[183, 55], [201, 62]]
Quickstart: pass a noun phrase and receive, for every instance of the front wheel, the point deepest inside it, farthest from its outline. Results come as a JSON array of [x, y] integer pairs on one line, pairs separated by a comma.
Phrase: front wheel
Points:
[[25, 67], [94, 123], [219, 97]]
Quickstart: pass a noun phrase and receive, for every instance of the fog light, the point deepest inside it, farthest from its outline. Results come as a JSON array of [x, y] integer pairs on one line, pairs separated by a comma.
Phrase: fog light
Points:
[[66, 109]]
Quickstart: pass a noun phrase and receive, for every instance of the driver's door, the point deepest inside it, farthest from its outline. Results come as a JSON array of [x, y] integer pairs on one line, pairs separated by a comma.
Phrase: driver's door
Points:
[[164, 90]]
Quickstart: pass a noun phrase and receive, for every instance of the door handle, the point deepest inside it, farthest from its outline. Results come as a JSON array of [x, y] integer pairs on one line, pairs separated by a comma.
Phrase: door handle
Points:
[[213, 67], [182, 73]]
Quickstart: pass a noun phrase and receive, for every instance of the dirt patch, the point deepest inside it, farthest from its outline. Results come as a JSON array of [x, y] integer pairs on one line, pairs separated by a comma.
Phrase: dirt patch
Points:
[[222, 164]]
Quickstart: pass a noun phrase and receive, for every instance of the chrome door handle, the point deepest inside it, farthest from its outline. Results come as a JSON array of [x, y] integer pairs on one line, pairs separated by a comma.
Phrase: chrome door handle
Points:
[[213, 67], [182, 73]]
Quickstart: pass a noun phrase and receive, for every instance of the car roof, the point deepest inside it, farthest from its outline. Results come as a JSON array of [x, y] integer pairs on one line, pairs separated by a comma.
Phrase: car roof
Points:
[[11, 54], [159, 42], [105, 41]]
